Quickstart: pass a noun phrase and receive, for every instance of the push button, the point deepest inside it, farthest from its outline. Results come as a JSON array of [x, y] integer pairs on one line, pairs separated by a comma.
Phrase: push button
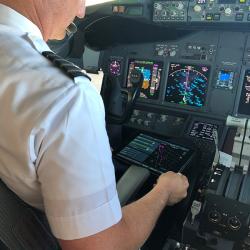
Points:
[[209, 17], [239, 17], [217, 17]]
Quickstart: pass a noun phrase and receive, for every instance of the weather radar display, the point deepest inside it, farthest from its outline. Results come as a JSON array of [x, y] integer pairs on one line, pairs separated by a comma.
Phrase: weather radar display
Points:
[[187, 84]]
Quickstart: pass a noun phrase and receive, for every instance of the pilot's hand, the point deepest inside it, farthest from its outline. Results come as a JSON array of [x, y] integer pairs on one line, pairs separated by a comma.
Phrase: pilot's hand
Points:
[[174, 185]]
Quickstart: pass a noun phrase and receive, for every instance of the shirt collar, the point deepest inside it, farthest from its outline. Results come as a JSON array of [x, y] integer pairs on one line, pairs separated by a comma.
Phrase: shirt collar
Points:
[[19, 23], [15, 20]]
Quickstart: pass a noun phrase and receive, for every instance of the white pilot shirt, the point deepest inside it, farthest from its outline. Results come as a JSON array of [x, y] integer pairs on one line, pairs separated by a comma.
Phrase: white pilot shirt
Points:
[[54, 149]]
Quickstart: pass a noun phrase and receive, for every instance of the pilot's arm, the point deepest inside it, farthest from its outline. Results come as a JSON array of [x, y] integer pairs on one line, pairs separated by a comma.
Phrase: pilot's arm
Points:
[[75, 169], [138, 218]]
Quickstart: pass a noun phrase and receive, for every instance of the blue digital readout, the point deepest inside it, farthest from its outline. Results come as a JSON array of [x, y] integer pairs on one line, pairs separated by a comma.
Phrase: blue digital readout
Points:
[[225, 79], [224, 76]]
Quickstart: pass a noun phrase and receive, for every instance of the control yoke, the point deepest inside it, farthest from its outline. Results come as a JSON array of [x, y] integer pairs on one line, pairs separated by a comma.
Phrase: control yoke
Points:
[[118, 101]]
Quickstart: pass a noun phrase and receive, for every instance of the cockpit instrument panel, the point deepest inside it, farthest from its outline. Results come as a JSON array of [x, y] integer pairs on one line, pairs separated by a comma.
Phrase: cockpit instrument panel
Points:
[[187, 84], [244, 104], [151, 71]]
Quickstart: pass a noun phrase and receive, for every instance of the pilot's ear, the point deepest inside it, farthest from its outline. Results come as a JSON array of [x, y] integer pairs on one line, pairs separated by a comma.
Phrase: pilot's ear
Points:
[[81, 12]]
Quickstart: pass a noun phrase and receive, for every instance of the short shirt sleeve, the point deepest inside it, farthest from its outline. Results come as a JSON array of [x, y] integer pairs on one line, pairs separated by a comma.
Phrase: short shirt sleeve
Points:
[[75, 167]]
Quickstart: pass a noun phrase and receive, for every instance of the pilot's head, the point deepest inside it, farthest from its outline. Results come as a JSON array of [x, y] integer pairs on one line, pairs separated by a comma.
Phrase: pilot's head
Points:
[[51, 16]]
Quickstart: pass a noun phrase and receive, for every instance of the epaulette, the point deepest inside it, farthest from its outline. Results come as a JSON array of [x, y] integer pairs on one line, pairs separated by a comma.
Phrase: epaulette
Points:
[[69, 68]]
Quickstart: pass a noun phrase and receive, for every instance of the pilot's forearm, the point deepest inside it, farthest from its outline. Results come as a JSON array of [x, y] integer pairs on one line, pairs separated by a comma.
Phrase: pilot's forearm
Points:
[[140, 218]]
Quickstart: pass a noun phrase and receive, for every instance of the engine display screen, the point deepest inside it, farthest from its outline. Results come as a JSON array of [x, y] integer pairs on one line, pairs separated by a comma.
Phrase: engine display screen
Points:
[[225, 79], [203, 130], [244, 104], [152, 76], [187, 84]]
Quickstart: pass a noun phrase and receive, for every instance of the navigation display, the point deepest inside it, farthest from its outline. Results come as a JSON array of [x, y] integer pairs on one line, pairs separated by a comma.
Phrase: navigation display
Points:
[[187, 84], [203, 130], [244, 104], [152, 76]]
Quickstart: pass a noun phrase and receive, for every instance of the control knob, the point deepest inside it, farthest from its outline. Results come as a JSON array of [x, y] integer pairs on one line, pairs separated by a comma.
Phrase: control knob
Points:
[[136, 112], [172, 53], [146, 123], [150, 115], [180, 6], [161, 52], [173, 13], [214, 216], [197, 8], [234, 223], [164, 118], [247, 241], [164, 13], [132, 120], [158, 6], [178, 121], [228, 11], [139, 121]]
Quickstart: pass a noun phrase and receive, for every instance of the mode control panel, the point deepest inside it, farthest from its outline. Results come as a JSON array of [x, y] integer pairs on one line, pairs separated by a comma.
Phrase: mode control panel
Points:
[[169, 11], [161, 123], [223, 11], [219, 11]]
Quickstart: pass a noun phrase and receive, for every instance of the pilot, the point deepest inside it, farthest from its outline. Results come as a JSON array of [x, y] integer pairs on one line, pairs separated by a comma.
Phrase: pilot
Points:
[[54, 149]]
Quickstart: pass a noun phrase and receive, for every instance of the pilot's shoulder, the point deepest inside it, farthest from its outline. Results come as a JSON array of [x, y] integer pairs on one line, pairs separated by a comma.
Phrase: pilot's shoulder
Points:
[[68, 68]]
